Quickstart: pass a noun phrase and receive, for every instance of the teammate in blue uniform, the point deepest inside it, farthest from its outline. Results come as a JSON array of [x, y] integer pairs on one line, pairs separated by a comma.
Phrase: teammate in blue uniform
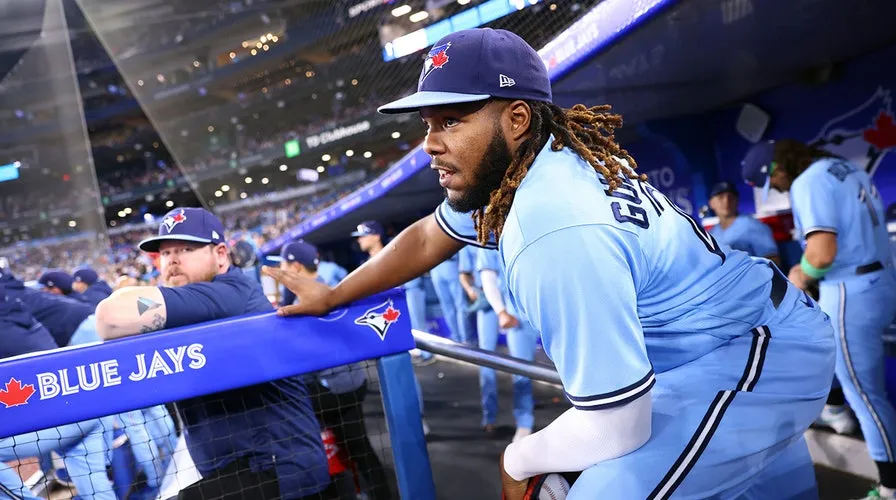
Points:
[[266, 443], [86, 282], [693, 371], [740, 232], [331, 272], [839, 219], [82, 445], [58, 282], [521, 339], [451, 298]]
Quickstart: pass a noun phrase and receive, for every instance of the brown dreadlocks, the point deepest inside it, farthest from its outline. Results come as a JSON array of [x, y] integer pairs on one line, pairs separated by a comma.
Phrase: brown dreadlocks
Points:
[[794, 156], [587, 131]]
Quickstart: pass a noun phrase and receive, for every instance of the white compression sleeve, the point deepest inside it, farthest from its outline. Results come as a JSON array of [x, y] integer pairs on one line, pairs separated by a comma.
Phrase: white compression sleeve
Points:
[[491, 290], [579, 439]]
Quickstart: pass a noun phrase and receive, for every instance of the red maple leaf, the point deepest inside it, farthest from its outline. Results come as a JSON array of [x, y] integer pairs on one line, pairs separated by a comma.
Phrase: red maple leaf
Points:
[[391, 315], [16, 394], [178, 217], [439, 59], [882, 135]]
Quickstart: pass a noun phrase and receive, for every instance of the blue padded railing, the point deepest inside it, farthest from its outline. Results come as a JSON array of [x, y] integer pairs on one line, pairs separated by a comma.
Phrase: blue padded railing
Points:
[[68, 385]]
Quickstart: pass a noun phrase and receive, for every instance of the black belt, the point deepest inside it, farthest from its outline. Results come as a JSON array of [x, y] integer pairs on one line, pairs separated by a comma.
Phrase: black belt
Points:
[[869, 268], [779, 286]]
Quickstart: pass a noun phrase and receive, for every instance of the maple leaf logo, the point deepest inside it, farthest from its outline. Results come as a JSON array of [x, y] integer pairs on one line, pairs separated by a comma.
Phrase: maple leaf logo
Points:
[[16, 394], [439, 59], [172, 220], [882, 135], [380, 318]]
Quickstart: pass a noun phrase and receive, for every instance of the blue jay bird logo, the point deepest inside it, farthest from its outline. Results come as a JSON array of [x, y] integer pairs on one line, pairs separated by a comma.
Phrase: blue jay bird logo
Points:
[[863, 135], [380, 318], [435, 59]]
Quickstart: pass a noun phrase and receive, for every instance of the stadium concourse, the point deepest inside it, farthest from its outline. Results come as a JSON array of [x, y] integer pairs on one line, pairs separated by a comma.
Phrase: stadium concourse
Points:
[[254, 124]]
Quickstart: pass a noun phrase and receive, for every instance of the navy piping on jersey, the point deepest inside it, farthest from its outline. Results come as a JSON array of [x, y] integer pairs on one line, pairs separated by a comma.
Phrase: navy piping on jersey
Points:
[[616, 398], [713, 417], [847, 359], [470, 240], [826, 229], [9, 492]]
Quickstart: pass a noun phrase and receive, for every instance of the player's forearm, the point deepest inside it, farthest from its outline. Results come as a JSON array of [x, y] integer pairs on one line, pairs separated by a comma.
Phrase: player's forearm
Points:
[[414, 251], [492, 291], [578, 439], [821, 249], [130, 311], [467, 283]]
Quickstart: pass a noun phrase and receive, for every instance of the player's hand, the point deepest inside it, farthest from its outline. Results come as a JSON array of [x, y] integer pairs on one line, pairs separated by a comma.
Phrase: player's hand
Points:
[[511, 489], [798, 277], [313, 296], [507, 321]]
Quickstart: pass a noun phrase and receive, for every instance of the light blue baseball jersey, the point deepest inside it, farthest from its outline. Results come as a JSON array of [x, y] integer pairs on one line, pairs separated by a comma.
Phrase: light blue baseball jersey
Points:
[[834, 195], [488, 259], [330, 272], [621, 284], [447, 270], [467, 256], [747, 235]]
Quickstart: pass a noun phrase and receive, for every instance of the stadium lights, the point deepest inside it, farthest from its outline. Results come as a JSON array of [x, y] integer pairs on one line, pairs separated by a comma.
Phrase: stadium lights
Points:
[[355, 82], [121, 213], [263, 39], [196, 64], [72, 223], [140, 82], [275, 39], [283, 168], [211, 128], [258, 45], [225, 188], [463, 2], [169, 203], [270, 35], [128, 211], [350, 153], [321, 168], [243, 196], [248, 180], [218, 194], [233, 55], [265, 47], [396, 134], [367, 154], [325, 158], [400, 11], [418, 16], [264, 180]]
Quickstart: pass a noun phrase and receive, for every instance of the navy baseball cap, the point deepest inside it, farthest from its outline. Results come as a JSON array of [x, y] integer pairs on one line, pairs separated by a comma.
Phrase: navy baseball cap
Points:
[[186, 224], [57, 278], [757, 166], [722, 187], [369, 227], [475, 65], [85, 275], [301, 252]]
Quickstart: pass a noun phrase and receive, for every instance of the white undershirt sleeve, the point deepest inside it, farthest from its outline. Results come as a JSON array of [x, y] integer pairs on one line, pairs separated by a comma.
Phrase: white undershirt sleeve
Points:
[[491, 290], [578, 439]]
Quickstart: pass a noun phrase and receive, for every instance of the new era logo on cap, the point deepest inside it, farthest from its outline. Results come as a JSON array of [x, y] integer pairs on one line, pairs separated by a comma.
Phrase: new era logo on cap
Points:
[[505, 81]]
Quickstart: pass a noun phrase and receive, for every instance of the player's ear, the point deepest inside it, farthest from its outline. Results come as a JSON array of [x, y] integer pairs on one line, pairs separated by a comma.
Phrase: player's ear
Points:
[[520, 117]]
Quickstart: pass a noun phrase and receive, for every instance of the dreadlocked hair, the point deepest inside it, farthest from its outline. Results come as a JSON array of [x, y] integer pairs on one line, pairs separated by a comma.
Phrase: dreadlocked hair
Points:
[[794, 156], [587, 131]]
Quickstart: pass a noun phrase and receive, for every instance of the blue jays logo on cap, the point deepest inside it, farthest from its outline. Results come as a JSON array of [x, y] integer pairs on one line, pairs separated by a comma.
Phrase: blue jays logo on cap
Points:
[[435, 59], [172, 220]]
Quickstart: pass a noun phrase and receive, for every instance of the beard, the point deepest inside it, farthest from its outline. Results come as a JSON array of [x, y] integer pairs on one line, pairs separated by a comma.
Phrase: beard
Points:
[[175, 276], [486, 177]]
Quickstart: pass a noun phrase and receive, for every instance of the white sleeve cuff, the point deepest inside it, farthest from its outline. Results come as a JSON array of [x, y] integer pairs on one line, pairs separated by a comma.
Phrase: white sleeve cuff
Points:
[[491, 290], [579, 439]]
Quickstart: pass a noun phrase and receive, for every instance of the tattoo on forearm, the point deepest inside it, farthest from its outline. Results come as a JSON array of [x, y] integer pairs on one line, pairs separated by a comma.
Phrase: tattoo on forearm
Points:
[[144, 304], [158, 322]]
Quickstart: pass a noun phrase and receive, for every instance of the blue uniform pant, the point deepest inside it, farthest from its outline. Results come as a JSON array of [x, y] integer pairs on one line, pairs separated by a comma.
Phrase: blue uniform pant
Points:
[[521, 344], [730, 424], [861, 308], [452, 300], [83, 448], [415, 294]]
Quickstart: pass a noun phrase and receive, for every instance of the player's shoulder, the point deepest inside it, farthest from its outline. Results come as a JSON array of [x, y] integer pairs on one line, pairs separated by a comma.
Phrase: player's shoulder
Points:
[[752, 223]]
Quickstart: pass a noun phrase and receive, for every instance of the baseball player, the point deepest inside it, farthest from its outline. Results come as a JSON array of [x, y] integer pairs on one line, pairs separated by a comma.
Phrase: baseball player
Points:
[[451, 298], [839, 218], [83, 445], [521, 340], [58, 282], [338, 393], [693, 371], [86, 282], [267, 444], [740, 232]]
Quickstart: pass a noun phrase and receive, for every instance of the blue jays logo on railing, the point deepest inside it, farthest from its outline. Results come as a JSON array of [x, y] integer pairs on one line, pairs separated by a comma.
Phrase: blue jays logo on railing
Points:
[[435, 59], [380, 318], [863, 135]]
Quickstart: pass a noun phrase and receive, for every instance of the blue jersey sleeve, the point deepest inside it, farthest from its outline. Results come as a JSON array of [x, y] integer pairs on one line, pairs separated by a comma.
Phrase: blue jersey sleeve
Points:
[[488, 260], [224, 297], [577, 287], [459, 226], [763, 241], [814, 204]]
